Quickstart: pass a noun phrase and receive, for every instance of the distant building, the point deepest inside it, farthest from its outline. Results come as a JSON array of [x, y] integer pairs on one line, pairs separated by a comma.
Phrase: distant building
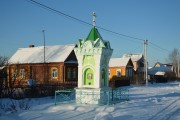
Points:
[[161, 72], [138, 63], [120, 71], [59, 65]]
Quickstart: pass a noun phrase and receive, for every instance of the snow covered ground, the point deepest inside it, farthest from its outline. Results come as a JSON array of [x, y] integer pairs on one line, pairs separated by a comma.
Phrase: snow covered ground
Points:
[[155, 102]]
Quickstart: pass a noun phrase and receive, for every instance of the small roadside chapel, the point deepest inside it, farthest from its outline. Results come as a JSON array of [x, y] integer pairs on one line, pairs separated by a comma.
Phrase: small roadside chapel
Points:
[[93, 55]]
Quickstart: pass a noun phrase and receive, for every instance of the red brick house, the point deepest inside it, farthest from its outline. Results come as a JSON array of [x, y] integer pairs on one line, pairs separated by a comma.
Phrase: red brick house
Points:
[[52, 65]]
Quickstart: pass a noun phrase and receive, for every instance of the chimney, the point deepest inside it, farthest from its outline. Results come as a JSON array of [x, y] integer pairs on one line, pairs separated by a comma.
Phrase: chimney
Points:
[[31, 46]]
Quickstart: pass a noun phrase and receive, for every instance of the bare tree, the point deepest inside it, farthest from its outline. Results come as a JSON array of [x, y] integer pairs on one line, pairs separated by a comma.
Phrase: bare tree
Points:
[[3, 61], [174, 59], [3, 73]]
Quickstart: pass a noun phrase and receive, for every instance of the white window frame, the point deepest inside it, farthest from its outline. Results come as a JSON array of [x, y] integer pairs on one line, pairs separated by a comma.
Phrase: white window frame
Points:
[[22, 73], [15, 73], [54, 72], [118, 73]]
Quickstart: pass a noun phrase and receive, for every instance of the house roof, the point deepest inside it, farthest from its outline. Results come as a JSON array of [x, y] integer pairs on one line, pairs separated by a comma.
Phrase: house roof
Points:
[[94, 34], [118, 62], [160, 69], [57, 53], [134, 57], [1, 68]]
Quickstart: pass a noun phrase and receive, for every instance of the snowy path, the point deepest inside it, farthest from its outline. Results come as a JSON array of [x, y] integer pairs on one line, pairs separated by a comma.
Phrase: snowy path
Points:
[[168, 112], [155, 102]]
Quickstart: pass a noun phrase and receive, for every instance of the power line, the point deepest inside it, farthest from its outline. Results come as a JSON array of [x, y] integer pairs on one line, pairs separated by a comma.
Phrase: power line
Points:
[[159, 47], [84, 22], [120, 34], [56, 11], [79, 20]]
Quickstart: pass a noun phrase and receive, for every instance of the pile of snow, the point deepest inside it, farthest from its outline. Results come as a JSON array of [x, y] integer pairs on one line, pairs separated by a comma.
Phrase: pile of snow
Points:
[[155, 102]]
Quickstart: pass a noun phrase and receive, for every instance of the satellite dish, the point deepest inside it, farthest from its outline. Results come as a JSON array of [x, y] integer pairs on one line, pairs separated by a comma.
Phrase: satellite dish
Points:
[[31, 82]]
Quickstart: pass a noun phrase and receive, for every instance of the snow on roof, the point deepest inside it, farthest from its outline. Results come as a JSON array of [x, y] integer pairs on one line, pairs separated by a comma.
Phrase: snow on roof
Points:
[[134, 57], [116, 62], [160, 73], [160, 70], [2, 67], [56, 53]]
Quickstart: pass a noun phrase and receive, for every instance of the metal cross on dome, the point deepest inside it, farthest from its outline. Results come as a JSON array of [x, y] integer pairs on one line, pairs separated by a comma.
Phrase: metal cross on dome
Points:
[[94, 19]]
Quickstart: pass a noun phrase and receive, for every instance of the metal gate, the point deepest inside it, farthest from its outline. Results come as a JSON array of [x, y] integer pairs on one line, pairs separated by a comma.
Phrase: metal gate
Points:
[[108, 96]]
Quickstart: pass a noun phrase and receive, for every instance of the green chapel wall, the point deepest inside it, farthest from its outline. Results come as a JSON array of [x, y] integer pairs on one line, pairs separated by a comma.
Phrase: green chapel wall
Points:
[[88, 73], [88, 60]]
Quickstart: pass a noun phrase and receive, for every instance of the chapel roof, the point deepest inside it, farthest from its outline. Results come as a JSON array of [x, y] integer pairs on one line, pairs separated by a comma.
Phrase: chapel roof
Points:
[[94, 34]]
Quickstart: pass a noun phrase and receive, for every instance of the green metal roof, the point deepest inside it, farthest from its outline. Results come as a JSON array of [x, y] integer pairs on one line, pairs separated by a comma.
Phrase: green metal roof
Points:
[[93, 35]]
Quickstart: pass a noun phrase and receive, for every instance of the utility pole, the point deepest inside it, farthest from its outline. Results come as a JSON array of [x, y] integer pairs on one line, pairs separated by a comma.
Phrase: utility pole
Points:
[[44, 45], [44, 56], [145, 62]]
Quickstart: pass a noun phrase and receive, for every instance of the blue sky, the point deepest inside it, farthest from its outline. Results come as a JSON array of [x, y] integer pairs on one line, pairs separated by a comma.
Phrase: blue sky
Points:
[[22, 23]]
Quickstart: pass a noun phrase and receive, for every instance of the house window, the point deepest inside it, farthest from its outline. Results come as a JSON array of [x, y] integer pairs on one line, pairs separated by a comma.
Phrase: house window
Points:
[[131, 72], [68, 73], [118, 73], [54, 73], [15, 74], [74, 73], [109, 73], [127, 73], [22, 74]]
